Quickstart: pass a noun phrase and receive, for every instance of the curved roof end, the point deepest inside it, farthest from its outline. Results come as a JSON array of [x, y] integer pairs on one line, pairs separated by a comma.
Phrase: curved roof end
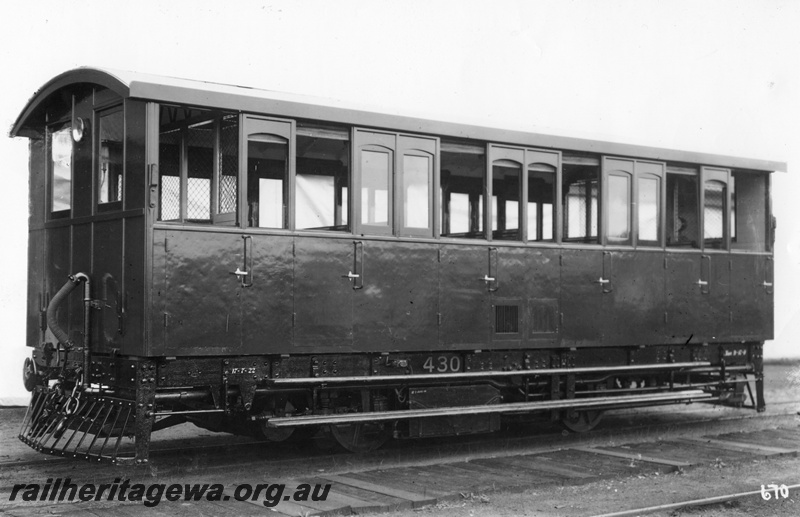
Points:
[[113, 80]]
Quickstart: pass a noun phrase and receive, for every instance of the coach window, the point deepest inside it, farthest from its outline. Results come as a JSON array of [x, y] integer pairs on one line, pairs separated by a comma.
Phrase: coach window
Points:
[[417, 180], [542, 177], [225, 199], [506, 186], [506, 192], [199, 141], [198, 166], [323, 178], [580, 175], [395, 178], [61, 170], [376, 174], [648, 205], [715, 208], [749, 209], [109, 163], [648, 195], [268, 171], [682, 208], [463, 166], [618, 227]]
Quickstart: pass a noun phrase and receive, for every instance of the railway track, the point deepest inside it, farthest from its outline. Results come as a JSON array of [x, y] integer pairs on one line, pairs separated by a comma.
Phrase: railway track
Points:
[[706, 501], [223, 455], [415, 474]]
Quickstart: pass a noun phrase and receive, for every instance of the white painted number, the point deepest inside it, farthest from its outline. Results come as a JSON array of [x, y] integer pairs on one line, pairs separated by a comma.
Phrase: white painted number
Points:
[[780, 491], [442, 364]]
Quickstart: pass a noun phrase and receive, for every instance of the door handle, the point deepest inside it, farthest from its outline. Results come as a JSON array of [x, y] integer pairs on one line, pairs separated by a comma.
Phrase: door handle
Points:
[[240, 273]]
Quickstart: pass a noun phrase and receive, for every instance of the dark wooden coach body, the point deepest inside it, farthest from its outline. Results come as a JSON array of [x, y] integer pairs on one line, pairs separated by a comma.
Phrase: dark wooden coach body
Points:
[[269, 259]]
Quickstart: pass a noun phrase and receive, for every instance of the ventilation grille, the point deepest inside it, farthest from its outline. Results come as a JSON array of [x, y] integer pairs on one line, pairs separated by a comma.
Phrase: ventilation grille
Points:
[[544, 316], [506, 319]]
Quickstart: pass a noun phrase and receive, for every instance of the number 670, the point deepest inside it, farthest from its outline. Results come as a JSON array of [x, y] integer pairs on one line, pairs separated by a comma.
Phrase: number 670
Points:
[[780, 491]]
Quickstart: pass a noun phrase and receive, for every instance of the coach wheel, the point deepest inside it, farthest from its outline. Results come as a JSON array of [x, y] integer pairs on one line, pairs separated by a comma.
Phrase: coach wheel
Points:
[[362, 437], [582, 421], [275, 434]]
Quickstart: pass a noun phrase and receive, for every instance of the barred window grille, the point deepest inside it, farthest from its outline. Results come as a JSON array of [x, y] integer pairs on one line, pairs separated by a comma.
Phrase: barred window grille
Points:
[[200, 156], [170, 198], [228, 164], [169, 171]]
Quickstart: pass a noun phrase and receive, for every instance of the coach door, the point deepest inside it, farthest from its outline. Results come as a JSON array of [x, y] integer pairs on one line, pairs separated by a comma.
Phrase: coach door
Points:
[[526, 279], [752, 267], [397, 304], [467, 276], [633, 279], [582, 278], [267, 269], [698, 284]]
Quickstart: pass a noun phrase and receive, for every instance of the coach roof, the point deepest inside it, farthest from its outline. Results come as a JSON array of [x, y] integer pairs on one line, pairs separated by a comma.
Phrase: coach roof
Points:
[[244, 99]]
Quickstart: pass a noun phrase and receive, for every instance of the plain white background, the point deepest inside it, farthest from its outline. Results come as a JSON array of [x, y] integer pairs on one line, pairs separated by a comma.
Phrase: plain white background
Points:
[[718, 76]]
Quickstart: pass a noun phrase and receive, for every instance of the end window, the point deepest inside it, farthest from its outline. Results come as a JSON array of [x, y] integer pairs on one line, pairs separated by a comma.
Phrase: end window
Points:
[[109, 172], [61, 170]]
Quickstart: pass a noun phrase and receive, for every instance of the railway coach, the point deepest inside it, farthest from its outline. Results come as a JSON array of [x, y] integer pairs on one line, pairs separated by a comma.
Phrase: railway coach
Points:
[[263, 263]]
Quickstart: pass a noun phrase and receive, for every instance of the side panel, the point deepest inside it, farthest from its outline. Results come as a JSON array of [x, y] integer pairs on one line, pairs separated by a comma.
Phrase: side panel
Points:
[[525, 306], [58, 268], [82, 165], [36, 240], [134, 304], [633, 300], [464, 298], [108, 285], [81, 261], [157, 309], [323, 302], [134, 245], [202, 296], [751, 298], [685, 302], [37, 300], [717, 322], [581, 297], [267, 304], [135, 164], [543, 286], [396, 308]]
